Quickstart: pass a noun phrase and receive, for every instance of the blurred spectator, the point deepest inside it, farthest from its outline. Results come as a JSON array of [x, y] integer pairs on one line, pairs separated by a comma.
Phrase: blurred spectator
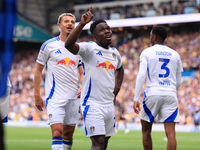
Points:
[[145, 9], [196, 121]]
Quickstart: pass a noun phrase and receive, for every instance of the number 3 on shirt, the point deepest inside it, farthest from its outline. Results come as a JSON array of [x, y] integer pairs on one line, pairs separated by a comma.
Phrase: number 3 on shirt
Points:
[[165, 62]]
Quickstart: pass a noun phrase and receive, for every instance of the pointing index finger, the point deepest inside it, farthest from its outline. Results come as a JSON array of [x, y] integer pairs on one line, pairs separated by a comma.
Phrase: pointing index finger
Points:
[[90, 8]]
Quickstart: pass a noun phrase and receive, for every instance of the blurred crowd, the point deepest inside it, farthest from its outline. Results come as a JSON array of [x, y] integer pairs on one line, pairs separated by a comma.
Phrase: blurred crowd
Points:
[[141, 9], [187, 44]]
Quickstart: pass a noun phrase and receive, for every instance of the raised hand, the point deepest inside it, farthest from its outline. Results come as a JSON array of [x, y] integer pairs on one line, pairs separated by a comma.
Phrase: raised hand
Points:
[[87, 17]]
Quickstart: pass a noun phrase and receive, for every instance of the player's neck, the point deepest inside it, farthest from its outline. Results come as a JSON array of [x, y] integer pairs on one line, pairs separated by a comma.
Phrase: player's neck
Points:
[[63, 37], [101, 45]]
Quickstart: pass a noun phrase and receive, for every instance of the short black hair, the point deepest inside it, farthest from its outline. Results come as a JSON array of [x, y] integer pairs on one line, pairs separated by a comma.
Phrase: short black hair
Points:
[[160, 31], [95, 23]]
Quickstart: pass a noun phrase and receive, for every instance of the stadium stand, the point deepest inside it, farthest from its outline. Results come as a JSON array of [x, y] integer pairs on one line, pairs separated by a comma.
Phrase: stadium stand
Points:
[[44, 13], [186, 43], [131, 41]]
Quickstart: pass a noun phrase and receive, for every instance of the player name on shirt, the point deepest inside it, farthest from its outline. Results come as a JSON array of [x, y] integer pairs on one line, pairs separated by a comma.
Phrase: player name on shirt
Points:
[[165, 83], [163, 53]]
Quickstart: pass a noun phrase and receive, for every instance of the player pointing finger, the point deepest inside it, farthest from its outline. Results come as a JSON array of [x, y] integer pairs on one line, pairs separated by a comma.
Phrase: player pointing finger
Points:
[[98, 108], [87, 17]]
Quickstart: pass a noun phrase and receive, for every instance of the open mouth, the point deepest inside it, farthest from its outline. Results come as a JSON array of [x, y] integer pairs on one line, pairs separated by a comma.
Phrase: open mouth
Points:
[[69, 28], [108, 37]]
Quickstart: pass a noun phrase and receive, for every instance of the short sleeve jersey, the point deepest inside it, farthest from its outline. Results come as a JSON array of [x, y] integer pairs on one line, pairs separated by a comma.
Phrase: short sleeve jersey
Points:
[[163, 63], [99, 73], [61, 81]]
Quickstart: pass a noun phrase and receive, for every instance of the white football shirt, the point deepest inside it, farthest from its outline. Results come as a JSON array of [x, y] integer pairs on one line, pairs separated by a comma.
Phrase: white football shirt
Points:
[[163, 64], [61, 81], [99, 66]]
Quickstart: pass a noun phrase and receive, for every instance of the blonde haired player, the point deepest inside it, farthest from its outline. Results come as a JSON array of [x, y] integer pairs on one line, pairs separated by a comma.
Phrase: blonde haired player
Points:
[[61, 84]]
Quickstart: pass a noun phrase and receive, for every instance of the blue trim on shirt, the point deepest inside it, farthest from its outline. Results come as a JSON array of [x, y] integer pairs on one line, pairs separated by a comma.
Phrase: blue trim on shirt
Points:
[[88, 94], [4, 120], [84, 116], [146, 109], [79, 110], [148, 72], [159, 44], [113, 48], [114, 123], [46, 67], [47, 42], [83, 68], [144, 96], [88, 42], [52, 90], [172, 117]]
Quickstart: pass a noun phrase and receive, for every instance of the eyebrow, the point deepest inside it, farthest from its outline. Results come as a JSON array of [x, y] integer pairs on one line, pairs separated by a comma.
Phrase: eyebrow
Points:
[[68, 20]]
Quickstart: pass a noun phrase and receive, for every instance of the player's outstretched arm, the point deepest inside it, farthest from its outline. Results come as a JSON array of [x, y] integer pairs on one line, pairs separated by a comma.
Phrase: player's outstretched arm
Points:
[[70, 43], [37, 82]]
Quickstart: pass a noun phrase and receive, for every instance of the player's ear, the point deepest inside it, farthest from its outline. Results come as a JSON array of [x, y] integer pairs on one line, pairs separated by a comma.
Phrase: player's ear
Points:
[[94, 36], [59, 25], [155, 37]]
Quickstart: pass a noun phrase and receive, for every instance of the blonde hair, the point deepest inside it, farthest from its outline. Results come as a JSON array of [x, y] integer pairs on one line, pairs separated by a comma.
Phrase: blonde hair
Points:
[[65, 14]]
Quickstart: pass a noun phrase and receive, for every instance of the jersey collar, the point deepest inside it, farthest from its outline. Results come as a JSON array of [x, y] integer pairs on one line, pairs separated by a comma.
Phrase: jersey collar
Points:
[[159, 44]]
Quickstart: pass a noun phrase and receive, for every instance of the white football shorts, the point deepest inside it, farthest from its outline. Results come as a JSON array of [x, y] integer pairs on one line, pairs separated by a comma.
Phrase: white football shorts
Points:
[[4, 105], [63, 111], [166, 107], [99, 120]]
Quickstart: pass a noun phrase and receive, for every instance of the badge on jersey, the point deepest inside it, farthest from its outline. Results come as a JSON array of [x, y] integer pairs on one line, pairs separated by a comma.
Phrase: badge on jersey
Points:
[[92, 128], [40, 54], [114, 55], [50, 116]]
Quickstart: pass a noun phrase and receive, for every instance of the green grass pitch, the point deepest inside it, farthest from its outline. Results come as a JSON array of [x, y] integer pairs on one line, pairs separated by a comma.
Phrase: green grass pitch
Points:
[[39, 138]]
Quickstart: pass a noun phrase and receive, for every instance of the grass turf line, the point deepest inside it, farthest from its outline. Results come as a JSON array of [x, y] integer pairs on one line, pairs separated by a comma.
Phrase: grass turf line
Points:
[[39, 138]]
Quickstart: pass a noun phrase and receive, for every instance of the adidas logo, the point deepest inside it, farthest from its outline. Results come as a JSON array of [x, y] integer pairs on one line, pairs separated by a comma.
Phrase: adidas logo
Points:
[[99, 53], [58, 52]]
